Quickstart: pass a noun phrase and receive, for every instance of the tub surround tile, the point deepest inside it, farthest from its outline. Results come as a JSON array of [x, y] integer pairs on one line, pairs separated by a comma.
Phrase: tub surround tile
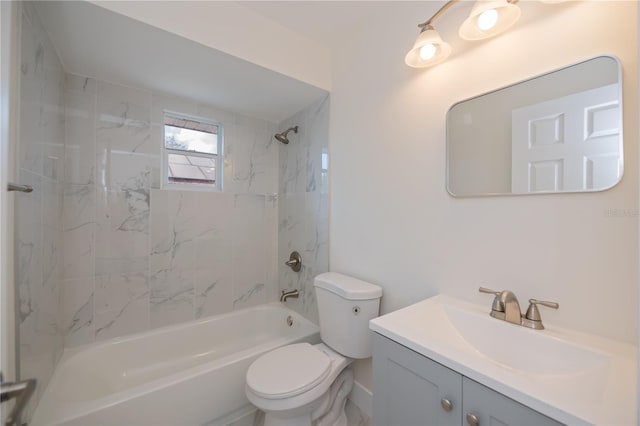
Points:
[[151, 257], [79, 313], [154, 157], [255, 157], [80, 164], [271, 252], [123, 179], [161, 102], [303, 211], [132, 317], [213, 292], [79, 229], [79, 206], [38, 215], [122, 232], [119, 107], [172, 297], [114, 292], [213, 276], [28, 237], [250, 251], [251, 295], [33, 44], [79, 83]]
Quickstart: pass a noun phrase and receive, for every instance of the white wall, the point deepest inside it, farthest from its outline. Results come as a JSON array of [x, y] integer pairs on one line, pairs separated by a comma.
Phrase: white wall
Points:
[[237, 30], [392, 221]]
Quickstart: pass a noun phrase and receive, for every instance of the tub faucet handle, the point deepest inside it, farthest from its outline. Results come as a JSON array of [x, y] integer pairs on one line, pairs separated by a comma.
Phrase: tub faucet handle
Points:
[[294, 262]]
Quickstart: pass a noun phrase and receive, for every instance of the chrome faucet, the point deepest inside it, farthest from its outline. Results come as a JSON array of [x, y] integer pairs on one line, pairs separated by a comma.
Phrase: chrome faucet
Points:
[[289, 294], [506, 307]]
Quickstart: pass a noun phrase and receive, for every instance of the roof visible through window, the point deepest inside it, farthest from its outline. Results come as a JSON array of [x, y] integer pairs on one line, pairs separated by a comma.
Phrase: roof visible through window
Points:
[[190, 135], [191, 150]]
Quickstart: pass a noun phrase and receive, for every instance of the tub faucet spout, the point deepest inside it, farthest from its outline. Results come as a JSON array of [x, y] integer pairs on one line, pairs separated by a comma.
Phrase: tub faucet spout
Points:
[[289, 294]]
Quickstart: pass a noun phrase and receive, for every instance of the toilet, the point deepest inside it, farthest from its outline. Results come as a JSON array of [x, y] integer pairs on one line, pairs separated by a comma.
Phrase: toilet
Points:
[[304, 384]]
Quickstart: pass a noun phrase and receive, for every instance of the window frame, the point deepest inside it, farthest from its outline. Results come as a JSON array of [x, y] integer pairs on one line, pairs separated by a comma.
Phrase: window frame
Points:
[[219, 157]]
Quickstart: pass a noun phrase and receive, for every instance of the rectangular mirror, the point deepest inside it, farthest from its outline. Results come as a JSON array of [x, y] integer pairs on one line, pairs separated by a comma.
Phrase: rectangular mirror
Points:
[[558, 132]]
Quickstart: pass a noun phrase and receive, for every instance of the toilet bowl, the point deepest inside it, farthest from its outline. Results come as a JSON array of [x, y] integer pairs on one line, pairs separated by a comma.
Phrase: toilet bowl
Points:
[[303, 384], [298, 384]]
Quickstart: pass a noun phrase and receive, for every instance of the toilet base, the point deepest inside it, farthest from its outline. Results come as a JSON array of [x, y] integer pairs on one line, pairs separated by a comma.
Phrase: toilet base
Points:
[[328, 411]]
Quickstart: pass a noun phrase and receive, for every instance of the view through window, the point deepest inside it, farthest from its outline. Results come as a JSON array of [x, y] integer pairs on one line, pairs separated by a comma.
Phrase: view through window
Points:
[[193, 148]]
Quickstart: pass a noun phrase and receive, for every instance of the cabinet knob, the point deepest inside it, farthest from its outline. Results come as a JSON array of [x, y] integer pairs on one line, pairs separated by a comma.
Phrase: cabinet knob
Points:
[[446, 404], [472, 420]]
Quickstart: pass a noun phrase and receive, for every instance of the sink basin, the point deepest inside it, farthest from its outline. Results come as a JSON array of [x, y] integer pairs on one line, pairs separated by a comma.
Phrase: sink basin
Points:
[[573, 377], [519, 348]]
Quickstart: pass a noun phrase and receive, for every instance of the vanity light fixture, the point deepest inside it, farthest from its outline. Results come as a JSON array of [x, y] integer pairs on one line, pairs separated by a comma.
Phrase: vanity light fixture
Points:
[[487, 19], [428, 50]]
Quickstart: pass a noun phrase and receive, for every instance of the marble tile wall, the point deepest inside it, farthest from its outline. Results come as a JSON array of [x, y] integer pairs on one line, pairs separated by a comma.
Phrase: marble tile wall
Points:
[[38, 224], [139, 257], [303, 210]]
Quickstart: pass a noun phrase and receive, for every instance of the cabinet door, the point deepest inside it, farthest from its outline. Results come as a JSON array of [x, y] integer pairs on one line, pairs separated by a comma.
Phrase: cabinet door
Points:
[[493, 408], [409, 388]]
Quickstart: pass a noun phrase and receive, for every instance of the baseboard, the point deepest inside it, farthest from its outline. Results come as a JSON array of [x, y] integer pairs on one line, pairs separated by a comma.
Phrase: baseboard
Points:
[[362, 398]]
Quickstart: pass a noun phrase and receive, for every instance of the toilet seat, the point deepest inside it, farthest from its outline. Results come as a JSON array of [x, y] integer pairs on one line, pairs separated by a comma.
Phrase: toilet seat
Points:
[[288, 371]]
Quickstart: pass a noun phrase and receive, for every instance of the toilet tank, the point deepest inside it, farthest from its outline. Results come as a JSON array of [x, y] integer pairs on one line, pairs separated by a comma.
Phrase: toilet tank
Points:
[[345, 306]]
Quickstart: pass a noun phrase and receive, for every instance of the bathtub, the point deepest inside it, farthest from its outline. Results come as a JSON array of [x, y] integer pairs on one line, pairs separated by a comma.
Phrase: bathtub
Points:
[[187, 374]]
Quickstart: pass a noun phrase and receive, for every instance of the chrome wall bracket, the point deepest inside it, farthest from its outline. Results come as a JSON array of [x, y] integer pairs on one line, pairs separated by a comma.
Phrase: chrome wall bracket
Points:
[[21, 391], [19, 188]]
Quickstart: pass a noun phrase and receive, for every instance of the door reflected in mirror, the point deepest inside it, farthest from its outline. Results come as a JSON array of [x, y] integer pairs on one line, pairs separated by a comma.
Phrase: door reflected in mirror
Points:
[[558, 132]]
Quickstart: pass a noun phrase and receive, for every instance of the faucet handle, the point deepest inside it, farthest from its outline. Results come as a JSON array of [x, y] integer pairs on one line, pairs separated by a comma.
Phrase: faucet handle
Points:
[[497, 305], [533, 313]]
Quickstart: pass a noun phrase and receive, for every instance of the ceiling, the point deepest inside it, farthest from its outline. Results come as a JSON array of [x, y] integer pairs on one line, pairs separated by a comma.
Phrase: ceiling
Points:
[[330, 23], [94, 42]]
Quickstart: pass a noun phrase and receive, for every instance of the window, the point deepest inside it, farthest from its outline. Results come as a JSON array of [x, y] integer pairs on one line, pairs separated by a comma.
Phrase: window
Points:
[[192, 152]]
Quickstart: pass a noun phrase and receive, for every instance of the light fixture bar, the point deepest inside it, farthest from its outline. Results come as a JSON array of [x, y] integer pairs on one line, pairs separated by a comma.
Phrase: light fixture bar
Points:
[[487, 19], [438, 14]]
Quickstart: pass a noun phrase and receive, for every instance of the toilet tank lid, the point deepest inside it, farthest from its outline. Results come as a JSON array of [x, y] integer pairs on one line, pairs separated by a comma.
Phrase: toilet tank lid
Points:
[[347, 287]]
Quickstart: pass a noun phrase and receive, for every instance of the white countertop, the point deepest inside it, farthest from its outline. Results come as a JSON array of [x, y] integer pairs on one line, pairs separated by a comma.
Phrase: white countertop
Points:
[[599, 389]]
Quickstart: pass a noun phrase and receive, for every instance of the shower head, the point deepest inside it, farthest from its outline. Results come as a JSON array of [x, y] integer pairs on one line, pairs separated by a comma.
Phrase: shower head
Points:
[[282, 137]]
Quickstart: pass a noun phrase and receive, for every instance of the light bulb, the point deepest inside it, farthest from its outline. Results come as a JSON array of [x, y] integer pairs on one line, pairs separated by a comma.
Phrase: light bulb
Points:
[[487, 19], [427, 51]]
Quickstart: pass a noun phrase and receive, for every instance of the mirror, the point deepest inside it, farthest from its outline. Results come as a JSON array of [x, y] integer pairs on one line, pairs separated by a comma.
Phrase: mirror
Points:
[[558, 132]]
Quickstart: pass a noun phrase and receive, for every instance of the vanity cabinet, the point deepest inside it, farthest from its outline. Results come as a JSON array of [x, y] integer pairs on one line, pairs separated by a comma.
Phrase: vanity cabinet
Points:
[[411, 389]]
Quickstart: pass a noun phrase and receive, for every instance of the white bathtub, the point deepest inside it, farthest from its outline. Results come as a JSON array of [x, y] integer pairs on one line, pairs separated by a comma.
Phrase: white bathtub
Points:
[[187, 374]]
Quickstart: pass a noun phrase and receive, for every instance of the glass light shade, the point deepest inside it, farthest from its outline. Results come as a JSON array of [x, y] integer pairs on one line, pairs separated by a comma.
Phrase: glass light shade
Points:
[[488, 19], [508, 14], [441, 50]]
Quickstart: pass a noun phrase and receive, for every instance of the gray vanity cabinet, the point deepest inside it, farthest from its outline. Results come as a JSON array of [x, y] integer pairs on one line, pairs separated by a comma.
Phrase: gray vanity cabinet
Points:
[[409, 389], [492, 408]]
